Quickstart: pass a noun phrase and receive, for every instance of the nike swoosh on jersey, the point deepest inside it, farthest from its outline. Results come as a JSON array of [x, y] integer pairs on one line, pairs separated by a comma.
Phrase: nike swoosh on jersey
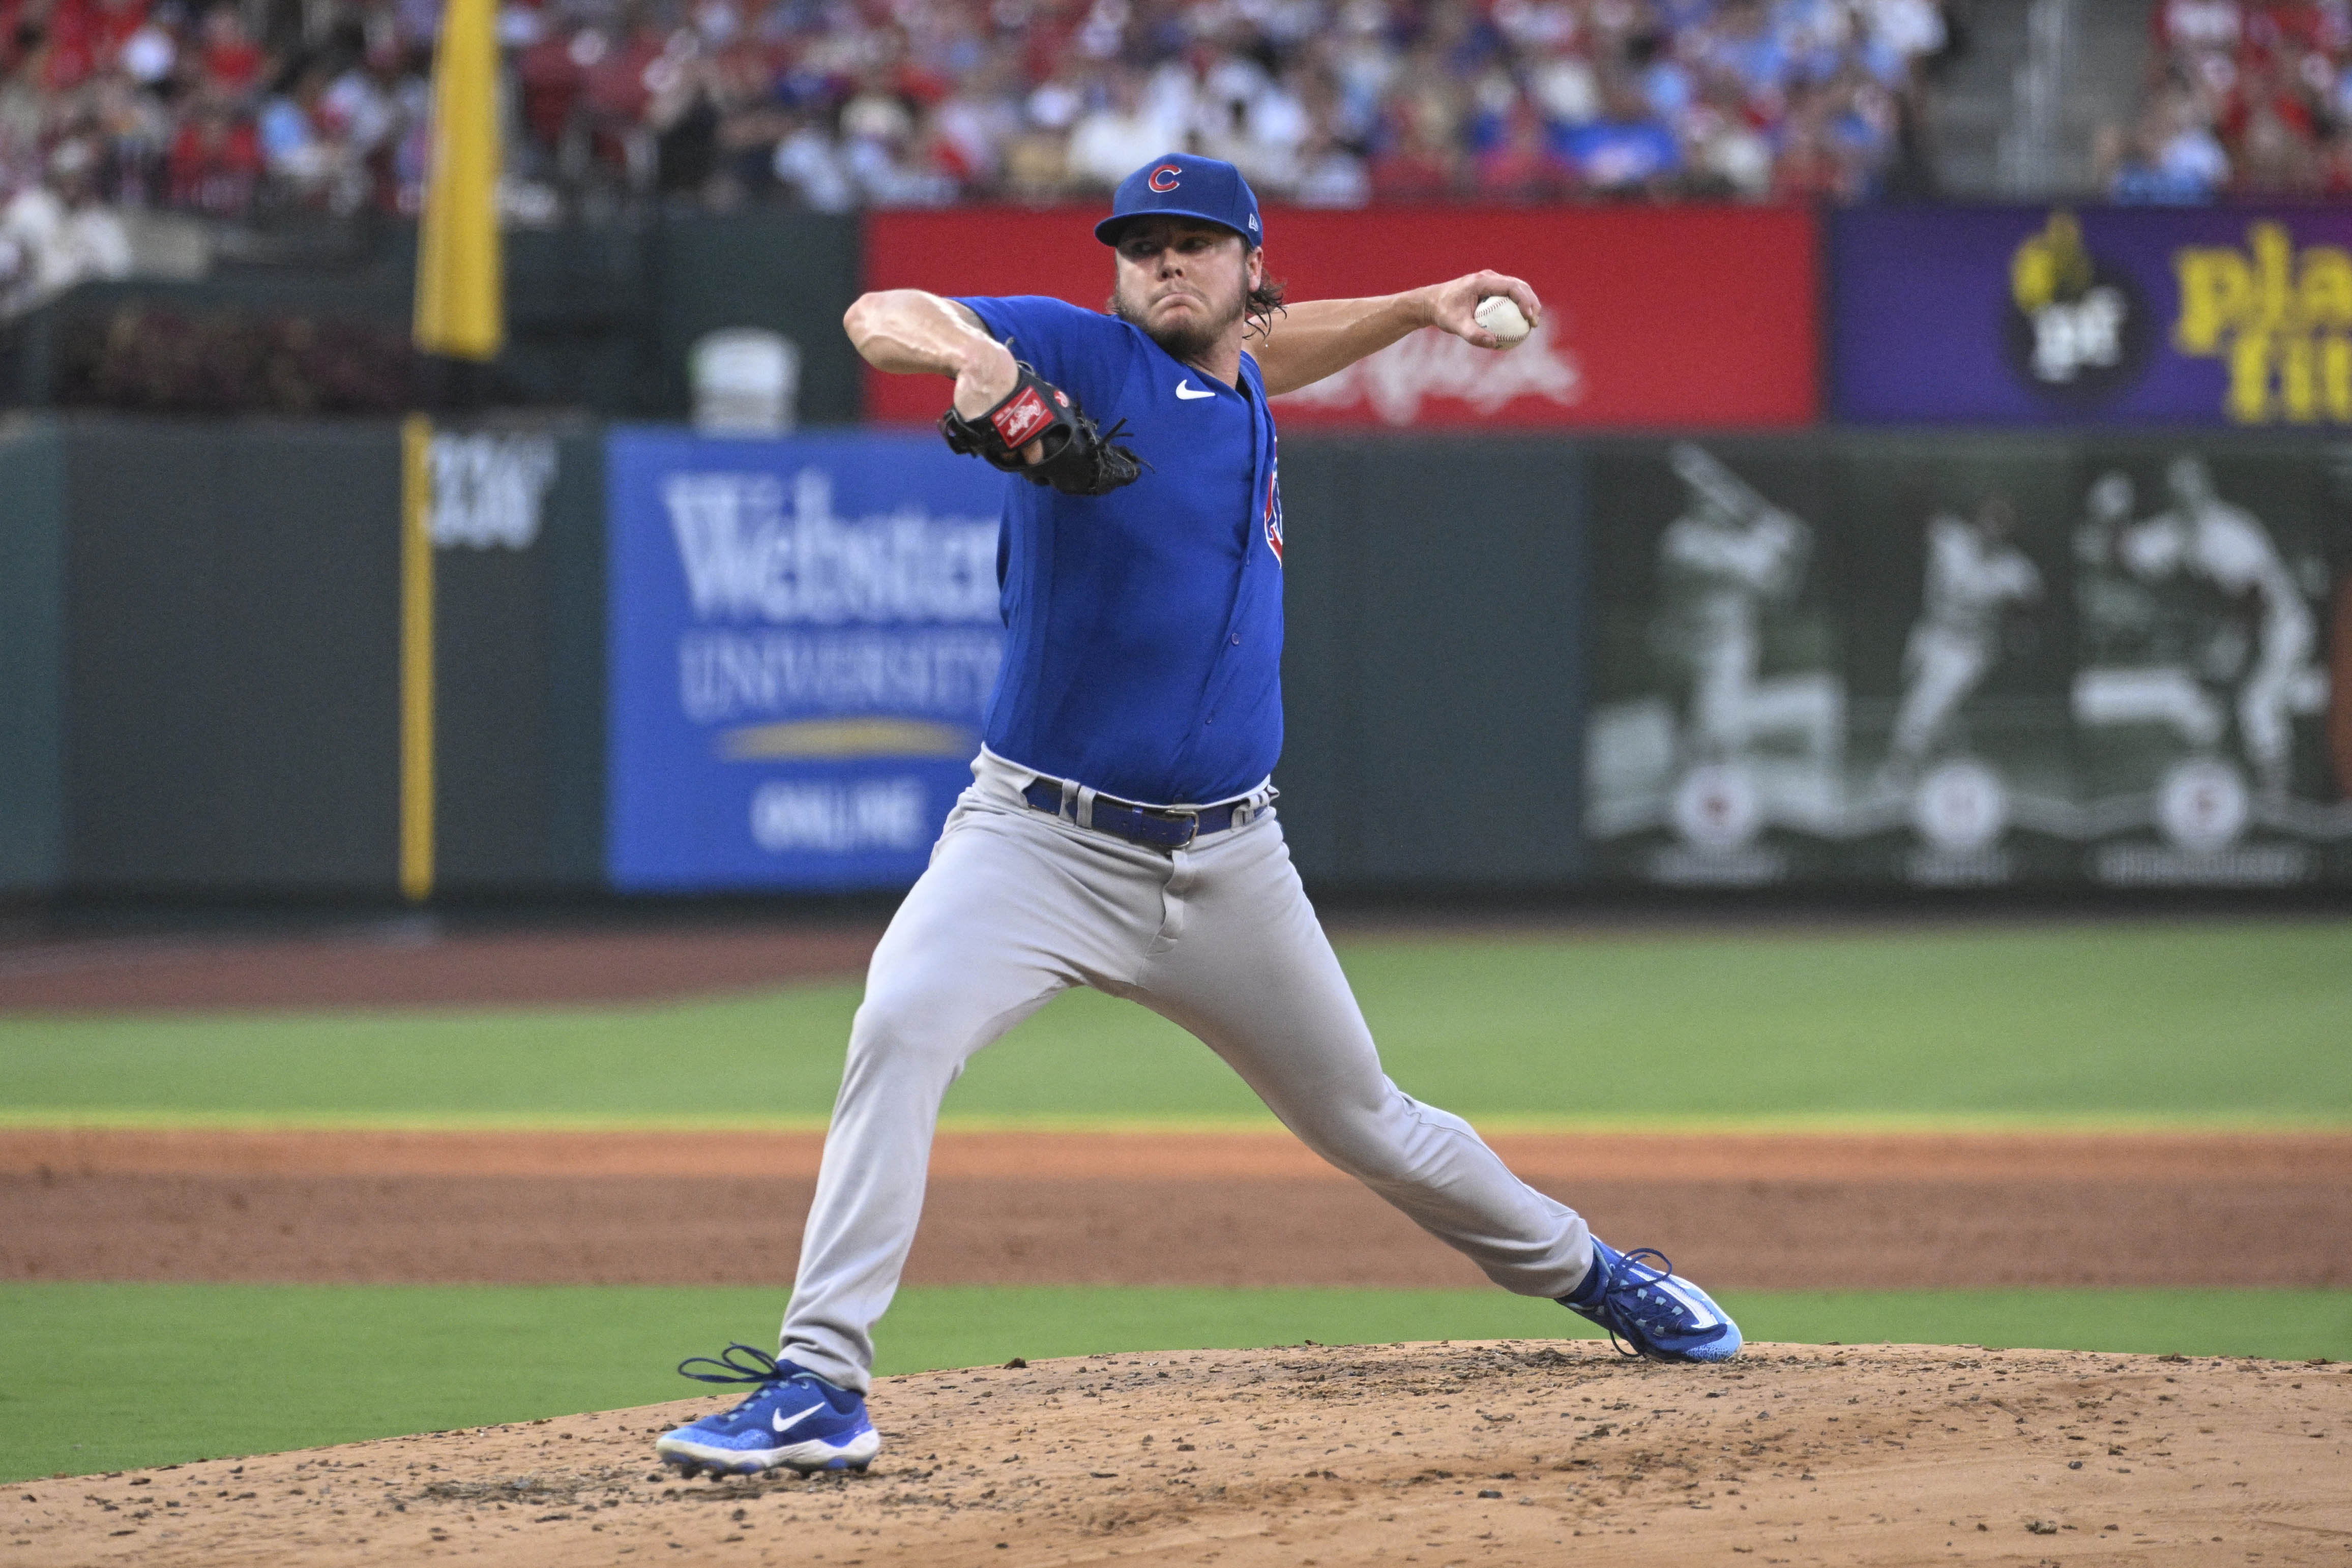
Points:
[[1188, 391]]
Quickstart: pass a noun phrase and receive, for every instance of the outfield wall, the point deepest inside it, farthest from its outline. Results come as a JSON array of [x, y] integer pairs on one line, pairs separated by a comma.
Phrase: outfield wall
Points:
[[1972, 660], [32, 646], [1515, 660], [200, 636]]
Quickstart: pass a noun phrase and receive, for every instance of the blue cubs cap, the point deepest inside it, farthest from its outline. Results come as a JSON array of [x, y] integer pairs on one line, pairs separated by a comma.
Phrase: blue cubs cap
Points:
[[1185, 185]]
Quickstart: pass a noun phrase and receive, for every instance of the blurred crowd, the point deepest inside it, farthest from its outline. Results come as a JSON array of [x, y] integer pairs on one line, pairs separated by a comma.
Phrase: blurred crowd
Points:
[[1327, 102], [223, 109], [2247, 98]]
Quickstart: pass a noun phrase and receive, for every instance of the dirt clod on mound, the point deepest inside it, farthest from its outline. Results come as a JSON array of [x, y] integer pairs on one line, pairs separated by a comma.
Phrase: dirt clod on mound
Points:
[[1508, 1453]]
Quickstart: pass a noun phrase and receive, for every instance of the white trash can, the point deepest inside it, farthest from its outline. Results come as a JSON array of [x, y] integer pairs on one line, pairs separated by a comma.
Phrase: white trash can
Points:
[[747, 382]]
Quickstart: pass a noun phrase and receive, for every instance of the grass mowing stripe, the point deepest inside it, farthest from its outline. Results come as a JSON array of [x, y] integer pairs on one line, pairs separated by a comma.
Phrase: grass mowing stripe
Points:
[[2174, 1023], [112, 1376]]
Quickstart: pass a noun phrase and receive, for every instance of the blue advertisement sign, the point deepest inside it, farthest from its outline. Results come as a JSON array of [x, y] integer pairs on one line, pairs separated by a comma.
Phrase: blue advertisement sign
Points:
[[2232, 316], [804, 634]]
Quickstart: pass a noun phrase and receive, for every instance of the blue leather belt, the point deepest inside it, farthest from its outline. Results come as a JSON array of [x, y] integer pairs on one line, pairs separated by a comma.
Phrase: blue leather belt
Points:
[[1154, 826]]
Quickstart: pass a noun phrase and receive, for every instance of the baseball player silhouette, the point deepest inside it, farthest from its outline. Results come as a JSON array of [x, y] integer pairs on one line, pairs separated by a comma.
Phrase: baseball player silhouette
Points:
[[2206, 536], [1119, 831], [1973, 573]]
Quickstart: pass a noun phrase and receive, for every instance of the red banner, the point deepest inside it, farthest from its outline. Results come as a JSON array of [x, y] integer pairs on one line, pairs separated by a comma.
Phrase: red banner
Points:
[[1653, 317]]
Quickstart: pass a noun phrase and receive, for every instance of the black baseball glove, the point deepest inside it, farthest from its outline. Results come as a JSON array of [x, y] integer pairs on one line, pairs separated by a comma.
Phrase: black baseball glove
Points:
[[1079, 460]]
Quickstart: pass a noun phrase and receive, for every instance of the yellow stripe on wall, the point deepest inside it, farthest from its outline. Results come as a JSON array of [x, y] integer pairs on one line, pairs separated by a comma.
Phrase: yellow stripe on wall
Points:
[[416, 657]]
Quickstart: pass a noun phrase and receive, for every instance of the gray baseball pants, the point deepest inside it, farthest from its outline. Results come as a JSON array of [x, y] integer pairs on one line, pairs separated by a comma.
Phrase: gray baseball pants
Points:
[[1017, 906]]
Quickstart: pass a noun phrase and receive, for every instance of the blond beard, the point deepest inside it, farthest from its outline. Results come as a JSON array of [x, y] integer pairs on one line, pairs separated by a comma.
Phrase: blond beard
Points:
[[1186, 344]]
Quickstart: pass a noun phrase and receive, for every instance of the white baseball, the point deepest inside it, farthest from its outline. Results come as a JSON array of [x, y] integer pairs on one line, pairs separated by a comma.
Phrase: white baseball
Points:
[[1500, 315]]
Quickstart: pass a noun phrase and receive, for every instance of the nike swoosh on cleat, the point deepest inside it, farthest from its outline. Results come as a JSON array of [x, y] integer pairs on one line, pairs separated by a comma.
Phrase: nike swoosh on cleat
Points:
[[780, 1425], [1186, 390]]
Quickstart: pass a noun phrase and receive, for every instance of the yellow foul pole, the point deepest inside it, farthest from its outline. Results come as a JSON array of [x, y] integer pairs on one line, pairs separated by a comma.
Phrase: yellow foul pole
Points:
[[460, 315], [460, 306]]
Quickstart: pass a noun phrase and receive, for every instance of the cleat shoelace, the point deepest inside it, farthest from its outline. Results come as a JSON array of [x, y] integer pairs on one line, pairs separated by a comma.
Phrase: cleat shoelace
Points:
[[1636, 1325], [760, 1368]]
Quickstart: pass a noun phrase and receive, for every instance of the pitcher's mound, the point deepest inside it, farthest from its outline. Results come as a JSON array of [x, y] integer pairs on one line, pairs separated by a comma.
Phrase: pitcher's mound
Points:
[[1517, 1452]]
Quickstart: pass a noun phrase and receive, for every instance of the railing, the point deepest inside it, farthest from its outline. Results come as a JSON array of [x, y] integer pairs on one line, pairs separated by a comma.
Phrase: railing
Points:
[[2033, 154]]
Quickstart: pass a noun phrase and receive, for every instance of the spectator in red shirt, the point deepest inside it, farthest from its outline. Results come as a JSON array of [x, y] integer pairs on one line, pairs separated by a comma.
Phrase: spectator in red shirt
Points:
[[551, 77], [1423, 165], [232, 60], [618, 90], [1522, 166], [1809, 168], [111, 23], [215, 160], [2296, 26], [2275, 156], [617, 93], [73, 46], [2264, 89]]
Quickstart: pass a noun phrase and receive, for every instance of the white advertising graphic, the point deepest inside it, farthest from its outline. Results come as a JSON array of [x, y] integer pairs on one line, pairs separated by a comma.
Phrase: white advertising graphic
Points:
[[2112, 670]]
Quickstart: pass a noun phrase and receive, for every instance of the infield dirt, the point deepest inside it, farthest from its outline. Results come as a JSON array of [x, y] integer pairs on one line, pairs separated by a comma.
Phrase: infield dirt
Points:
[[1517, 1453], [1511, 1453], [1751, 1211]]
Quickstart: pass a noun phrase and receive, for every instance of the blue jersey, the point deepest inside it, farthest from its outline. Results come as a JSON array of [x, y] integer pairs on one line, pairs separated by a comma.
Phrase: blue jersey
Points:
[[1145, 657]]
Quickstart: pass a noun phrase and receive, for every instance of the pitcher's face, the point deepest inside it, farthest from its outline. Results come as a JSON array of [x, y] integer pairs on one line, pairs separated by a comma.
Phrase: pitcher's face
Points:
[[1186, 283]]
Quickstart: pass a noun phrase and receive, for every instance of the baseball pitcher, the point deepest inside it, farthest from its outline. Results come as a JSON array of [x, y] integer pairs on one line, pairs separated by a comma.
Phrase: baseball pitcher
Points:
[[1120, 832]]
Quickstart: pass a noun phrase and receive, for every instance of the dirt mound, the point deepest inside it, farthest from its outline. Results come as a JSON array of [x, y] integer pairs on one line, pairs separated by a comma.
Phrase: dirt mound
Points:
[[1491, 1454]]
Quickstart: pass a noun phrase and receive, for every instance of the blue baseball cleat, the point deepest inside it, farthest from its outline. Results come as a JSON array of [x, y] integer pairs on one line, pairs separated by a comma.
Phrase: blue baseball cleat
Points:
[[793, 1420], [1652, 1309]]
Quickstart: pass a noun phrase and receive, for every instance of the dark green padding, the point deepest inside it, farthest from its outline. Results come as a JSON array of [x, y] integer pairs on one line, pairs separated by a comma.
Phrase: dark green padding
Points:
[[32, 670]]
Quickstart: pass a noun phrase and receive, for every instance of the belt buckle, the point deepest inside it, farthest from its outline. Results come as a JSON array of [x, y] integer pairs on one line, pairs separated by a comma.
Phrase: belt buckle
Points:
[[1192, 821]]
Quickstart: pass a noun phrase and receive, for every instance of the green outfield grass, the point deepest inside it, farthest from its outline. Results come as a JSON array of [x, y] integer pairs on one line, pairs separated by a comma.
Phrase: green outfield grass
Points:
[[2100, 1023], [100, 1377]]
